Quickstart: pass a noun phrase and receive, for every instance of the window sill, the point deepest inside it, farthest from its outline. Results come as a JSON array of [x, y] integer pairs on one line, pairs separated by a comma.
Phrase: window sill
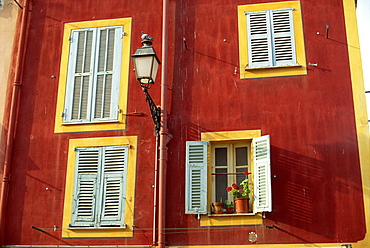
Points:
[[74, 228], [271, 67], [231, 219], [231, 215], [87, 123]]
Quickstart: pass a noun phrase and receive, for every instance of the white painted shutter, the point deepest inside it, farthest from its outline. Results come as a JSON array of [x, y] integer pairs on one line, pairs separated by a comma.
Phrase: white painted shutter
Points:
[[107, 73], [196, 177], [283, 37], [93, 79], [79, 80], [85, 187], [262, 174], [259, 39], [114, 186]]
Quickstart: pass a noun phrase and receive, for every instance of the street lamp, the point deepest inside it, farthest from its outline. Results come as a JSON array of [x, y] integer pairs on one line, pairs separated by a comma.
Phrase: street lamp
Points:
[[146, 65], [146, 62]]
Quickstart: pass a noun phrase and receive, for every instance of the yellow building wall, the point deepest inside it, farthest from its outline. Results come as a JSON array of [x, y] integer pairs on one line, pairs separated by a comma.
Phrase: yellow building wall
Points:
[[8, 19]]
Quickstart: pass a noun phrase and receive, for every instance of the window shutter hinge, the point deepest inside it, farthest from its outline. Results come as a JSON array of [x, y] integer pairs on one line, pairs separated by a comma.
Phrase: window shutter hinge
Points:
[[63, 114], [70, 39]]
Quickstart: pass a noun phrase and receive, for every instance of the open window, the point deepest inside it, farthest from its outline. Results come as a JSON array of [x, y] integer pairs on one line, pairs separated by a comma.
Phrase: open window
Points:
[[226, 160]]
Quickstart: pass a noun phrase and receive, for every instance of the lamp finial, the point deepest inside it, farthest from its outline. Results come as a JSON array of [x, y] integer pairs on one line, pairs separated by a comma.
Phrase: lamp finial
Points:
[[146, 39]]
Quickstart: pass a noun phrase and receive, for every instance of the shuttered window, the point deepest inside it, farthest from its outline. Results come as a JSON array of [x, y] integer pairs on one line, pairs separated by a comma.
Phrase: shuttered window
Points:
[[93, 75], [229, 159], [270, 38], [99, 188]]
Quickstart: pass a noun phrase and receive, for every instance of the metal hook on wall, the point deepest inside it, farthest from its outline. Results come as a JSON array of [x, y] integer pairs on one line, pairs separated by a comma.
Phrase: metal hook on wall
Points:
[[327, 31]]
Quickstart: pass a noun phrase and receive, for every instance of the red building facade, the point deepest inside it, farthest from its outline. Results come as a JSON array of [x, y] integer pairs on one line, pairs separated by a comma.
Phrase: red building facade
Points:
[[83, 168]]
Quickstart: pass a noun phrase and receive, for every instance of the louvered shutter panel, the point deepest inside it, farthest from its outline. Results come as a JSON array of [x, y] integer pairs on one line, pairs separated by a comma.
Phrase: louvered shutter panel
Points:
[[262, 174], [80, 77], [113, 195], [107, 73], [85, 187], [259, 39], [196, 177], [283, 37]]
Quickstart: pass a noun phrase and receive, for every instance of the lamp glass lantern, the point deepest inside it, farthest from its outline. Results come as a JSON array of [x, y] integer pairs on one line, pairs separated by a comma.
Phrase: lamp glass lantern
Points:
[[146, 65]]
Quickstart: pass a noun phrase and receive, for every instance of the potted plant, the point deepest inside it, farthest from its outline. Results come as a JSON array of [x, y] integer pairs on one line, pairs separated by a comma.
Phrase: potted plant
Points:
[[241, 195], [218, 207], [229, 205]]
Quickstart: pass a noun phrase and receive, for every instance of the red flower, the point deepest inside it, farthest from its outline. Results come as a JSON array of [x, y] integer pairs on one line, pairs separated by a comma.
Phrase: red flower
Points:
[[241, 191], [234, 186], [229, 188]]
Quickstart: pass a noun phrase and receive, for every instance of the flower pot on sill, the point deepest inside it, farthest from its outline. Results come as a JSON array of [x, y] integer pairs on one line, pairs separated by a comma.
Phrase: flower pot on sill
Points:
[[218, 207], [230, 210], [241, 205]]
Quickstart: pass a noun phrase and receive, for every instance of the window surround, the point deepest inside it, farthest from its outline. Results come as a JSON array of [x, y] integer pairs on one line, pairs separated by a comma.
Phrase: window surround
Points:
[[293, 70], [87, 232], [120, 123], [232, 219]]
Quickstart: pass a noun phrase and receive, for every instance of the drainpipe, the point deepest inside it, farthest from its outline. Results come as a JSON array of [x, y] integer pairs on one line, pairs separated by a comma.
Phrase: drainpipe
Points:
[[13, 117], [163, 134], [155, 192]]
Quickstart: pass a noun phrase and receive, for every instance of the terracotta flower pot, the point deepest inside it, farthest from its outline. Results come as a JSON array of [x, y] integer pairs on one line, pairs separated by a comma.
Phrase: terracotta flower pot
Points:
[[230, 210], [241, 205], [218, 207]]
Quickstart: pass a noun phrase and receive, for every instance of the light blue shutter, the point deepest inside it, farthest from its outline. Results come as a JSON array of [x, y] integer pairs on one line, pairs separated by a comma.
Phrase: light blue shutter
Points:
[[114, 186], [196, 177], [107, 73], [283, 37], [262, 174], [259, 39], [85, 187]]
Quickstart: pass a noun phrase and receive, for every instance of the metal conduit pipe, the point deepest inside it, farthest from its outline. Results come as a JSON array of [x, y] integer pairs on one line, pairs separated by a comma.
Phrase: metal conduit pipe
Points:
[[155, 192], [13, 116], [163, 134]]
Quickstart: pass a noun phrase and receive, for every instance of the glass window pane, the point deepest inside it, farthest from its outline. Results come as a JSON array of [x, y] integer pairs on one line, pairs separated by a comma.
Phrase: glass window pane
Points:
[[241, 154], [221, 184], [240, 177], [221, 157]]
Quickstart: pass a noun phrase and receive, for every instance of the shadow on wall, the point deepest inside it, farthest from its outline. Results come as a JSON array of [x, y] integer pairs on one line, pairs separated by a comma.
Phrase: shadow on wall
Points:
[[317, 197]]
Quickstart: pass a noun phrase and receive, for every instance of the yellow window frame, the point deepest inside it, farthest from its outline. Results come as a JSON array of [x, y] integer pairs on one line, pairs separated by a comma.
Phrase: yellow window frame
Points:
[[246, 73], [130, 188], [124, 78], [219, 220], [231, 160]]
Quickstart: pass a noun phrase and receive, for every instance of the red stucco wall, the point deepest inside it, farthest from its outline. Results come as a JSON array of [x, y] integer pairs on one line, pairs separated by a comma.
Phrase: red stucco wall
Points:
[[317, 194]]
